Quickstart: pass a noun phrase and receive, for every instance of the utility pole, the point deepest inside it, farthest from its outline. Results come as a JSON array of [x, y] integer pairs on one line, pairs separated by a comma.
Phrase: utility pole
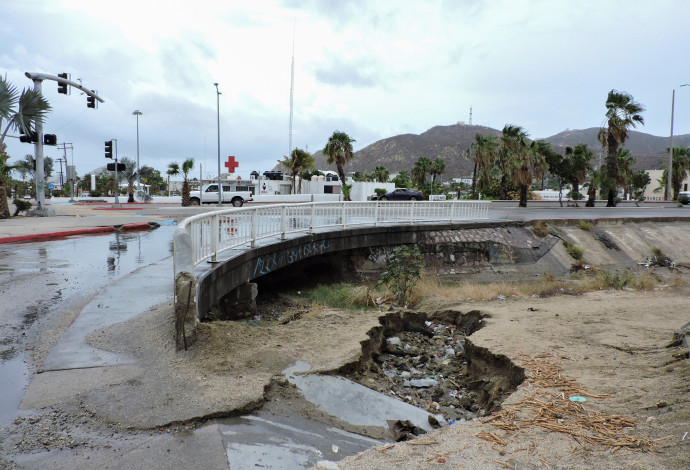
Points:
[[40, 174], [60, 160], [70, 176]]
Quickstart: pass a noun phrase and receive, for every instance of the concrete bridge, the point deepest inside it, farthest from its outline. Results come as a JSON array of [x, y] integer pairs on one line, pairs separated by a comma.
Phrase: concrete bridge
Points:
[[217, 254]]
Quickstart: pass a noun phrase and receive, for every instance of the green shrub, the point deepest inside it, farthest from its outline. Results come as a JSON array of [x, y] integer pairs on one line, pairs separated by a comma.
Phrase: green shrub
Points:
[[380, 192], [617, 280], [405, 264], [574, 251], [20, 206], [340, 295], [586, 225]]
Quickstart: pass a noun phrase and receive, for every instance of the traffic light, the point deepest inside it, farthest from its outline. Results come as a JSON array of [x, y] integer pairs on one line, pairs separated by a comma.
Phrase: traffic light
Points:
[[63, 87], [49, 139], [111, 166], [109, 149], [30, 138], [90, 101]]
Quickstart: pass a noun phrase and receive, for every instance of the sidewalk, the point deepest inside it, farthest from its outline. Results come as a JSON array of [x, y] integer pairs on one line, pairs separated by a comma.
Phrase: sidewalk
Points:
[[78, 219]]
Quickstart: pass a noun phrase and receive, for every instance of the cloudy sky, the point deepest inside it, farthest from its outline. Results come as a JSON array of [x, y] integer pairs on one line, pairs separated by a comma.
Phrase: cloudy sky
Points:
[[371, 68]]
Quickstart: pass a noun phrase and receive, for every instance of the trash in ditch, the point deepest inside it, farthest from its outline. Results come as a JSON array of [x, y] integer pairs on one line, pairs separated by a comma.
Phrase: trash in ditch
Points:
[[404, 430], [578, 399]]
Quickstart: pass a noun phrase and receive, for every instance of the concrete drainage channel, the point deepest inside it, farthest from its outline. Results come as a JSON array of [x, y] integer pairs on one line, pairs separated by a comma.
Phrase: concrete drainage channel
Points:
[[416, 372]]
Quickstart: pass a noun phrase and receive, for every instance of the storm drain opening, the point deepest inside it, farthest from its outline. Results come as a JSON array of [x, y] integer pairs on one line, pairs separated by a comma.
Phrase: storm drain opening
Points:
[[429, 362]]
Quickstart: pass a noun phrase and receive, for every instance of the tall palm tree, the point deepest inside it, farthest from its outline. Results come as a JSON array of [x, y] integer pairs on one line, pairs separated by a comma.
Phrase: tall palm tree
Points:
[[338, 150], [173, 170], [625, 162], [130, 175], [485, 153], [580, 159], [529, 162], [622, 113], [680, 169], [438, 167], [298, 161], [512, 150], [380, 174], [22, 112], [420, 170], [187, 166]]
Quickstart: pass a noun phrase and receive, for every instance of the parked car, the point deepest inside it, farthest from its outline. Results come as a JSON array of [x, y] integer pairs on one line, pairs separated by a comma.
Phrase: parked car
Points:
[[402, 194]]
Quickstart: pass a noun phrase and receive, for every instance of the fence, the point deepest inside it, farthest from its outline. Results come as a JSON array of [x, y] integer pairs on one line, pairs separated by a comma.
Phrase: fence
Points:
[[214, 232]]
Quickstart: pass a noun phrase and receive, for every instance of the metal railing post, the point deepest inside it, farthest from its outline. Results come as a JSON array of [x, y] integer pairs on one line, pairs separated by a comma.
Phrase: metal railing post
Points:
[[342, 215], [283, 215], [412, 212], [376, 214], [215, 234], [311, 224], [255, 223]]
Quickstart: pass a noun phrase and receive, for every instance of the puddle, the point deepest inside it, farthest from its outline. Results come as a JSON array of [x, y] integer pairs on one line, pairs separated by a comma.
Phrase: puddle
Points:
[[59, 274]]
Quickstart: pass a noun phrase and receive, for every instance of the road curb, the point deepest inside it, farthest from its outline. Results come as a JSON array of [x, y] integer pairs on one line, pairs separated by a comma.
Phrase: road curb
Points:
[[84, 231]]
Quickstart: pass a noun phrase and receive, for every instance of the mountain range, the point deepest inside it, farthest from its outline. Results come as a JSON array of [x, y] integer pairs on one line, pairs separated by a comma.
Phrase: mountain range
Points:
[[450, 143]]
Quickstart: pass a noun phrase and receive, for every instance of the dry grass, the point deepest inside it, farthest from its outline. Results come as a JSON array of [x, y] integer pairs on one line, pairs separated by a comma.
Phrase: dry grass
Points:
[[548, 407], [540, 229], [545, 286]]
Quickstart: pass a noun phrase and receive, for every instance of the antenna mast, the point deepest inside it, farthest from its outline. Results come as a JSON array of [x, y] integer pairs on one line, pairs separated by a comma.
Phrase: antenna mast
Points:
[[470, 115], [292, 88]]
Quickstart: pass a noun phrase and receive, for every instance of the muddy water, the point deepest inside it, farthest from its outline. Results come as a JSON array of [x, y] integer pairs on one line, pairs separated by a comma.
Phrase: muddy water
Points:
[[40, 281]]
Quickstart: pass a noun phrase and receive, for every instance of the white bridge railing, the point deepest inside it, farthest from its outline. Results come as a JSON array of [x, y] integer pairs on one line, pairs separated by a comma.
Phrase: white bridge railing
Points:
[[214, 232]]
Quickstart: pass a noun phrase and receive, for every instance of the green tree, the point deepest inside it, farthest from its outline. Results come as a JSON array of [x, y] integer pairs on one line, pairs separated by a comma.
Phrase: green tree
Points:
[[680, 168], [152, 178], [580, 163], [561, 169], [622, 113], [625, 162], [298, 161], [512, 153], [403, 271], [338, 150], [639, 181], [187, 166], [129, 174], [438, 167], [19, 112], [380, 174], [402, 179], [485, 155], [593, 183], [421, 168], [173, 170]]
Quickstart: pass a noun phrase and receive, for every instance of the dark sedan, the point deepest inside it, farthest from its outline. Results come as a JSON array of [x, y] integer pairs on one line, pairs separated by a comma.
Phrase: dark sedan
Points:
[[402, 194]]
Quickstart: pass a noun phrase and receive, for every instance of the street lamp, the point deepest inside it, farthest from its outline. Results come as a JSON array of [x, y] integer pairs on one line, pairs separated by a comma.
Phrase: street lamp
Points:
[[220, 187], [669, 187], [138, 113]]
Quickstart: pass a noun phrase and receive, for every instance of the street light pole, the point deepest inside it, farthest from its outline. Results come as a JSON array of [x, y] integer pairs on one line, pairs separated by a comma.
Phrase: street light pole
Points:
[[220, 187], [669, 179], [138, 113]]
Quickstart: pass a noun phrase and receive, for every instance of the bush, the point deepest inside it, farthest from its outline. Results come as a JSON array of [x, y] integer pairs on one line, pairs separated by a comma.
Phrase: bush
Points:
[[586, 225], [380, 192], [20, 206], [340, 295], [574, 251], [617, 280], [405, 264], [540, 229]]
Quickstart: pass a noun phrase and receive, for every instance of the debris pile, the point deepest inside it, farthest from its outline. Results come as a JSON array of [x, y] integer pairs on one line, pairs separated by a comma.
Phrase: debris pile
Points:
[[551, 406]]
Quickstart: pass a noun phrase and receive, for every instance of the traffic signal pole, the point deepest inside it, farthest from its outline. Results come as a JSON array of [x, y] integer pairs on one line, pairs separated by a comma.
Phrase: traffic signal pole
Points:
[[40, 174]]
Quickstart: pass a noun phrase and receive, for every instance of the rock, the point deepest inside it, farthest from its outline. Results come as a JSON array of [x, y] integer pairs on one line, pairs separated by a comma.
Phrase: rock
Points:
[[423, 383]]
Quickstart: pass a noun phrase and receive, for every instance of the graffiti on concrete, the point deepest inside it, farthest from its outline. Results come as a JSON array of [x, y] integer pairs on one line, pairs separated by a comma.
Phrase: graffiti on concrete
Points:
[[269, 263]]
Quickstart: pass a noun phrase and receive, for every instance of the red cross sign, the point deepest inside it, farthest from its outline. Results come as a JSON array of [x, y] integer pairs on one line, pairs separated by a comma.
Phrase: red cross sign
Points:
[[231, 164]]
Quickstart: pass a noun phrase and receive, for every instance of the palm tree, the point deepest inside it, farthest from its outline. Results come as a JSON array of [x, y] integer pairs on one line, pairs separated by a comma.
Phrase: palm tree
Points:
[[173, 170], [130, 175], [420, 170], [680, 168], [438, 167], [622, 113], [625, 162], [338, 150], [580, 164], [299, 161], [512, 150], [485, 153], [22, 112], [529, 163], [594, 183], [187, 166], [380, 174]]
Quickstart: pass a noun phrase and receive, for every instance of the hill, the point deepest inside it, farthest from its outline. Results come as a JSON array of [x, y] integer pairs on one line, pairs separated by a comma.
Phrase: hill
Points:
[[450, 143]]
